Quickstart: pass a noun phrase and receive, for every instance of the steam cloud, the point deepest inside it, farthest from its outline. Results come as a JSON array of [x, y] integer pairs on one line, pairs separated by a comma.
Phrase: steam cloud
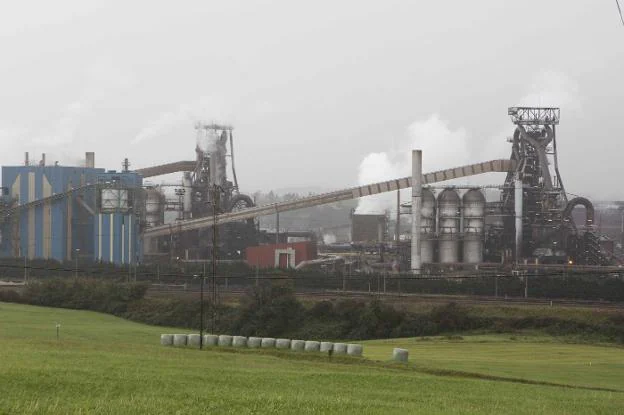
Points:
[[204, 109], [444, 147]]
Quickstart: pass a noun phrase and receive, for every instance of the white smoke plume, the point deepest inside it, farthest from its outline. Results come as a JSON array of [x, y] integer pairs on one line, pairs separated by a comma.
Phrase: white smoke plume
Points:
[[207, 140], [442, 148], [205, 109]]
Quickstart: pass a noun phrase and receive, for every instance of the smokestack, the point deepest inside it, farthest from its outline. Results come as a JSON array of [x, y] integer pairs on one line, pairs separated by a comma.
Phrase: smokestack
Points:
[[42, 162], [90, 159], [26, 161], [416, 207]]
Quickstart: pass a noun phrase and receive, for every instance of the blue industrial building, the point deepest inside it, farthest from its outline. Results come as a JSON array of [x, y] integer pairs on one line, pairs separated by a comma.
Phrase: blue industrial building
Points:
[[58, 212]]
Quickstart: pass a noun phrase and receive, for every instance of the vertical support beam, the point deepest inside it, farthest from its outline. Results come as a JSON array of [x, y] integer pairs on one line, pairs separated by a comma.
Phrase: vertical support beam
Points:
[[397, 228], [518, 195], [416, 207], [277, 228]]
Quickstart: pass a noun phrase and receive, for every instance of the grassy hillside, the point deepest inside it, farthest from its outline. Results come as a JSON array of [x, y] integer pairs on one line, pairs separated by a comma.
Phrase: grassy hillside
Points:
[[103, 364]]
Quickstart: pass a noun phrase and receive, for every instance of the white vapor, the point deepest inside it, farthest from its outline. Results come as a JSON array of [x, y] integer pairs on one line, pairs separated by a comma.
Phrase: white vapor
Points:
[[205, 109], [444, 147]]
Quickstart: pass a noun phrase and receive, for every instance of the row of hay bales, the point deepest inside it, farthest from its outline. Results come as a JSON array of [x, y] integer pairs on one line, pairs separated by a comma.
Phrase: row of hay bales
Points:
[[213, 340]]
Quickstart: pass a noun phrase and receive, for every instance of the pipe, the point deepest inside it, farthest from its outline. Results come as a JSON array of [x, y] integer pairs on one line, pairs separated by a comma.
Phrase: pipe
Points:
[[26, 161], [233, 165], [502, 166], [416, 207], [90, 159], [397, 228], [518, 212]]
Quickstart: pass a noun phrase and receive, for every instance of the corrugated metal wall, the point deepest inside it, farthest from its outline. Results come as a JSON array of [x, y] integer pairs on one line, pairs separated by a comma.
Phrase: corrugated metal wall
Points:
[[115, 238], [58, 229]]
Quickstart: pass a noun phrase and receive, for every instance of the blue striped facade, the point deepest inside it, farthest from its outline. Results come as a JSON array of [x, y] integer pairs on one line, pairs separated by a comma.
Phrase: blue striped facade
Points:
[[116, 238], [58, 229]]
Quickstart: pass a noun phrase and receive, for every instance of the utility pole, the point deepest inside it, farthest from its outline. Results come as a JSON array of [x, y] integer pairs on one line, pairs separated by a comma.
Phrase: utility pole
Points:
[[77, 251], [25, 268], [215, 243], [201, 313]]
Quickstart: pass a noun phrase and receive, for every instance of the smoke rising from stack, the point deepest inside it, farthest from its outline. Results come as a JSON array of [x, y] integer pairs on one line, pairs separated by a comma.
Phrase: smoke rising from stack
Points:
[[205, 109], [444, 147]]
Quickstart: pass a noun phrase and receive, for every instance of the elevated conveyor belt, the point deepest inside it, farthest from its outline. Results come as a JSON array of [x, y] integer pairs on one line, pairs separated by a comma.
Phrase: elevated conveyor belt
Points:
[[502, 166], [178, 166]]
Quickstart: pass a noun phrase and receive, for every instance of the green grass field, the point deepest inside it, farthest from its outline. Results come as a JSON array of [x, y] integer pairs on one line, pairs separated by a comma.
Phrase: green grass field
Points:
[[102, 364]]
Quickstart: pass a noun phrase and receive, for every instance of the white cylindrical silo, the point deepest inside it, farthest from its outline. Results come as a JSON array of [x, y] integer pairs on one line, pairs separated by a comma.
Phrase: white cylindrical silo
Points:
[[267, 343], [473, 223], [254, 342], [154, 207], [166, 339], [188, 195], [448, 225], [239, 341], [312, 346], [225, 340], [427, 226]]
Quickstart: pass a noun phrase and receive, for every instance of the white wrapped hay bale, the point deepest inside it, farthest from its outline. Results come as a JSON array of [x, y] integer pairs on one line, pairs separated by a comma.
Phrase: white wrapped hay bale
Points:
[[179, 339], [326, 347], [211, 340], [239, 341], [166, 339], [193, 340], [297, 345], [340, 348], [312, 346], [254, 342], [282, 343], [225, 340], [400, 355], [355, 349], [268, 343]]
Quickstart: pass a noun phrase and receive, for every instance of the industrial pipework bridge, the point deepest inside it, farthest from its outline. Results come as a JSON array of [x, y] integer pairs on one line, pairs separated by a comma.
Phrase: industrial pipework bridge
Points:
[[501, 166]]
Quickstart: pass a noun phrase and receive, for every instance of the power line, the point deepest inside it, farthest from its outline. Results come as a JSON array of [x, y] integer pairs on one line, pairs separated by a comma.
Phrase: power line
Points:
[[617, 2]]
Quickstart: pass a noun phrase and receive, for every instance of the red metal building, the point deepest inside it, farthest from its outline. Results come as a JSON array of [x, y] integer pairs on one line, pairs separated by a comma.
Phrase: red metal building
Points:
[[284, 255]]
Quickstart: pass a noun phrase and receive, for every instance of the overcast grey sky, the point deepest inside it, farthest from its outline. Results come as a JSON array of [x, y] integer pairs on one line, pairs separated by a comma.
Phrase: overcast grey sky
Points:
[[312, 88]]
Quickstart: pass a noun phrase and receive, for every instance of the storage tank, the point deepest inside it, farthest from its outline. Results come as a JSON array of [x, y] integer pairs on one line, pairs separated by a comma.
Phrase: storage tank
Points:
[[187, 205], [154, 208], [427, 226], [473, 223], [448, 217]]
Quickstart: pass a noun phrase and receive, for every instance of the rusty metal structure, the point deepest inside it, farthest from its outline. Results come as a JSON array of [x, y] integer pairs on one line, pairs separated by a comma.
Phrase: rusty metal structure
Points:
[[540, 225]]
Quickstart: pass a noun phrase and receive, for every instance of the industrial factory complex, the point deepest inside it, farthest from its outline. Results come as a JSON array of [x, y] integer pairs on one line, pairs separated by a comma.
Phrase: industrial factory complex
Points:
[[57, 212]]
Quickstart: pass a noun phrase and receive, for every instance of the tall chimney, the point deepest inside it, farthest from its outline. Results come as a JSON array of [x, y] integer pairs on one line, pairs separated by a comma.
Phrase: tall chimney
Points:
[[416, 207], [26, 161], [90, 159], [42, 162]]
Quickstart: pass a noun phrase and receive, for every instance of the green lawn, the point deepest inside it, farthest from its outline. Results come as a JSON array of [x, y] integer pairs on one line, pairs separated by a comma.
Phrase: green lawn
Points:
[[529, 357], [103, 364]]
